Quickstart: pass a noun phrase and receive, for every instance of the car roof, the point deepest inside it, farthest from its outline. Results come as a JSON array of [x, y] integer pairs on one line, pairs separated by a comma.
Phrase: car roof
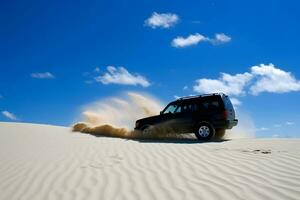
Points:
[[187, 98]]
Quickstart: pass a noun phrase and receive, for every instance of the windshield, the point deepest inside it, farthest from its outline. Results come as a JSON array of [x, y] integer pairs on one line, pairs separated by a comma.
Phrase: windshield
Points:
[[172, 108]]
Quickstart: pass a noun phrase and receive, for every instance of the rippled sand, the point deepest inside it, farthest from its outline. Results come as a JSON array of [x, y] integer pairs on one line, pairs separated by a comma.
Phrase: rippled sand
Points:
[[48, 162]]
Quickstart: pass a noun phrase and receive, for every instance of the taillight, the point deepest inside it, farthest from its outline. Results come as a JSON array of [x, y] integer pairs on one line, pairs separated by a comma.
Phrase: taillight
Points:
[[224, 114]]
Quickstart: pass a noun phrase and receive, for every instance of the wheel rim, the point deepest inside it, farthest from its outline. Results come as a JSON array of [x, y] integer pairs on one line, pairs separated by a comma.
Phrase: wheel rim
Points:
[[204, 131]]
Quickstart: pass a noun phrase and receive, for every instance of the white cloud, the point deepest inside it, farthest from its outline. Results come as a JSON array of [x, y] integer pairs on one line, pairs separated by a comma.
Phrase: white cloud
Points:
[[194, 39], [272, 79], [290, 123], [261, 78], [163, 20], [97, 69], [235, 102], [9, 115], [262, 129], [180, 42], [228, 84], [44, 75], [277, 125], [220, 38], [120, 75], [185, 87]]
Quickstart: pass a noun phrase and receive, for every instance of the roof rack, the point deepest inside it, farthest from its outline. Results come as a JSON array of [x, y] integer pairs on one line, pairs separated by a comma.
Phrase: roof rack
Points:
[[197, 96]]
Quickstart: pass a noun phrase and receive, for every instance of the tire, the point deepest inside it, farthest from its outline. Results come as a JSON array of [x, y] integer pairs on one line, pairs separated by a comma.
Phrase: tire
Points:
[[147, 130], [204, 131], [220, 133]]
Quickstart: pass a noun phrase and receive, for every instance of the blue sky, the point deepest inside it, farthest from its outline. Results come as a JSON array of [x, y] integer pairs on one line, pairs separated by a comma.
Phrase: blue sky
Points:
[[49, 52]]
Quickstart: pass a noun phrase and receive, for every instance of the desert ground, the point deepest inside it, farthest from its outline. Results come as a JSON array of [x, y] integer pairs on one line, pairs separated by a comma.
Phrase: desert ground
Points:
[[51, 162]]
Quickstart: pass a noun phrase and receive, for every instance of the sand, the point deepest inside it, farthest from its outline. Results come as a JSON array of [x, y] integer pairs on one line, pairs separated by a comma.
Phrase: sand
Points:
[[49, 162]]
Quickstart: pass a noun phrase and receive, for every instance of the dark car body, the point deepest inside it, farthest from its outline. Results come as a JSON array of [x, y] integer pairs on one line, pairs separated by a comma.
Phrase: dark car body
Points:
[[184, 114]]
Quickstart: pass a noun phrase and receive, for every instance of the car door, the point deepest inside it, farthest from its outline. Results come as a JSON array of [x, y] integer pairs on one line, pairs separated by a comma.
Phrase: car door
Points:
[[183, 117], [209, 108], [169, 115], [179, 116]]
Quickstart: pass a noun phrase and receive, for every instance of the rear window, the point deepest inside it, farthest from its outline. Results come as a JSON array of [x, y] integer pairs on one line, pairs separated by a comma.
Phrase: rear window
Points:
[[227, 103]]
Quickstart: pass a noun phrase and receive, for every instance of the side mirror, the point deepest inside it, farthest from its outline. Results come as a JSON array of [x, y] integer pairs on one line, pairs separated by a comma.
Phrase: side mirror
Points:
[[160, 112]]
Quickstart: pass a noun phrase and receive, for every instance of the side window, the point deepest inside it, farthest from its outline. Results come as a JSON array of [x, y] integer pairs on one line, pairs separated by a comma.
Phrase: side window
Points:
[[182, 108], [195, 107], [178, 110], [171, 108], [210, 105], [191, 107], [186, 108]]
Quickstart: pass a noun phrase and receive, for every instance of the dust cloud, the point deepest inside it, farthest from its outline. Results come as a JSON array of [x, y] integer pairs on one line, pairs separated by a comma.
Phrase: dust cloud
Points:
[[116, 116], [122, 111], [244, 129]]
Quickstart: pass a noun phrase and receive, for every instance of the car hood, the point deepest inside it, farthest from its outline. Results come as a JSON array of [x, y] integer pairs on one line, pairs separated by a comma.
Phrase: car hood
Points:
[[148, 119]]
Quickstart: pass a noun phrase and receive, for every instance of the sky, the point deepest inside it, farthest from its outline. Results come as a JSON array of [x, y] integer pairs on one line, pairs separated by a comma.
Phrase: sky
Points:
[[56, 57]]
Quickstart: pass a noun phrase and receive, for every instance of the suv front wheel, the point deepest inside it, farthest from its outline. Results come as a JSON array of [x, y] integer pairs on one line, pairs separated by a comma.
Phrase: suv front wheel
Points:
[[204, 131], [147, 130]]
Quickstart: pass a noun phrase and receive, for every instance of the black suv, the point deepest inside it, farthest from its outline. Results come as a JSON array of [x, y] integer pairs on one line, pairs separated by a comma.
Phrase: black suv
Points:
[[206, 115]]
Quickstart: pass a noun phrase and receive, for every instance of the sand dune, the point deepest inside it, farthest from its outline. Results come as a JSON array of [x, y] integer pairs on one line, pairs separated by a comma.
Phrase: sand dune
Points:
[[48, 162]]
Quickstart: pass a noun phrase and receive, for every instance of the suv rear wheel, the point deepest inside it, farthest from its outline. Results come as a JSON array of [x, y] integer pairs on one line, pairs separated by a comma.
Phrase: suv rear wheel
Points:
[[220, 133], [204, 131]]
